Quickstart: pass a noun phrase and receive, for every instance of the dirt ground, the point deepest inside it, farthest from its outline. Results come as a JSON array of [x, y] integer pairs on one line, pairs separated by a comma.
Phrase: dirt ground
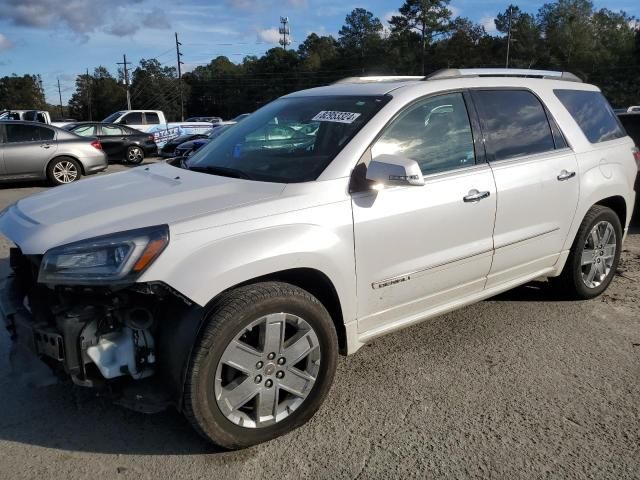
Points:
[[521, 386]]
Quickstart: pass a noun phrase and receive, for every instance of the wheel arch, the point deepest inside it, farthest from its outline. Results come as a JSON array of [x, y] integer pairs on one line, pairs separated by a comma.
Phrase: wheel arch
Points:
[[618, 204], [180, 337], [64, 155]]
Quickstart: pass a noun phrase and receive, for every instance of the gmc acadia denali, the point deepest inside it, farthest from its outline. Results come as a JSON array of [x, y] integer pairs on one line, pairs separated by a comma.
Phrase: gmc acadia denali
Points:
[[227, 283]]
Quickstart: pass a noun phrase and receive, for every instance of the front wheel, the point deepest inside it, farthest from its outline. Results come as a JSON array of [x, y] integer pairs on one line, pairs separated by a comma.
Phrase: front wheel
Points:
[[135, 155], [594, 256], [262, 366], [63, 170]]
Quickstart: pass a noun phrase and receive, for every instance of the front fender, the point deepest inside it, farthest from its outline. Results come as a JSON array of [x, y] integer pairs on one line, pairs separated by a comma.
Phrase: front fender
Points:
[[201, 269]]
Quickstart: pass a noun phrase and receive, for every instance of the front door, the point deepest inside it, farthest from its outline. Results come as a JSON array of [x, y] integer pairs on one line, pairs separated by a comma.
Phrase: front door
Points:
[[421, 247], [28, 149], [536, 177]]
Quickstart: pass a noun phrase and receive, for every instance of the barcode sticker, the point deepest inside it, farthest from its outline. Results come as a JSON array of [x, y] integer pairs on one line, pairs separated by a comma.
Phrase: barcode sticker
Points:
[[338, 117]]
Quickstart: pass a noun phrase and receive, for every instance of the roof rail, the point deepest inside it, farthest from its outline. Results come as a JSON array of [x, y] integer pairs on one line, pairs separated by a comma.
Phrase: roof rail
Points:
[[502, 72], [379, 78]]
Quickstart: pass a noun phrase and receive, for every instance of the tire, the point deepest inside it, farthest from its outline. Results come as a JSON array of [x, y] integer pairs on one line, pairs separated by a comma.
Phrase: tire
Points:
[[134, 155], [211, 377], [63, 170], [574, 281]]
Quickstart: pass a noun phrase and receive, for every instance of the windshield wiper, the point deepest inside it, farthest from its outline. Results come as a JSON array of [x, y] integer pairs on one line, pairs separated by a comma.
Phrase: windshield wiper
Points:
[[222, 171]]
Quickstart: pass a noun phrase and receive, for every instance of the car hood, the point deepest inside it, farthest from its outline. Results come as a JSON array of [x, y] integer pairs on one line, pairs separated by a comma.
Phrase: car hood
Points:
[[143, 196]]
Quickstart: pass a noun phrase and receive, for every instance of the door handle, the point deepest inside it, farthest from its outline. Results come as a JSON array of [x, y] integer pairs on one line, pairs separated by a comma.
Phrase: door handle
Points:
[[564, 175], [475, 196], [45, 145]]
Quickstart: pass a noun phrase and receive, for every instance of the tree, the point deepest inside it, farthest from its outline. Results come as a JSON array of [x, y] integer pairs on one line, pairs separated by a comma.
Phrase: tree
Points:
[[22, 92], [525, 49], [428, 18], [156, 87], [97, 96], [360, 33], [317, 51]]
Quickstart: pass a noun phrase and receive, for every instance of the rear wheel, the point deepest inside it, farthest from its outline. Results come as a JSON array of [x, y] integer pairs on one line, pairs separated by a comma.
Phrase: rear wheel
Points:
[[135, 155], [594, 256], [63, 170], [262, 366]]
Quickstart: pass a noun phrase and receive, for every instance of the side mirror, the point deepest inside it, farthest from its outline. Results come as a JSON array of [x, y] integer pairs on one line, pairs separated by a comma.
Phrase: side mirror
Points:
[[394, 170]]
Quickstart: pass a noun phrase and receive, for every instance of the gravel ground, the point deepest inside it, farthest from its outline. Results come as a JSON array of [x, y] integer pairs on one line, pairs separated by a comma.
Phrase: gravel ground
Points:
[[519, 386]]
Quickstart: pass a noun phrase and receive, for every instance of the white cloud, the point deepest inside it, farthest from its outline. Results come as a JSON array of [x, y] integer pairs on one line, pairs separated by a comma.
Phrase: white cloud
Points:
[[455, 11], [488, 23], [269, 35], [122, 29], [5, 43]]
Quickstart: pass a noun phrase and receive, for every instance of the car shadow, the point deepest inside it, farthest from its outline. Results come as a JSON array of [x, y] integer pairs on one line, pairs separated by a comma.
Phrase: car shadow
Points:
[[536, 291]]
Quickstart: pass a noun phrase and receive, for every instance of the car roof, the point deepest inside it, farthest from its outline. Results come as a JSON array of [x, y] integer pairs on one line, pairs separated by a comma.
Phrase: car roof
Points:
[[471, 78]]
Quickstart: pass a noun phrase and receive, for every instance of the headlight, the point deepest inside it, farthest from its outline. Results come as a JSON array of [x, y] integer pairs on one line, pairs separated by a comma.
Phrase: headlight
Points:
[[114, 258]]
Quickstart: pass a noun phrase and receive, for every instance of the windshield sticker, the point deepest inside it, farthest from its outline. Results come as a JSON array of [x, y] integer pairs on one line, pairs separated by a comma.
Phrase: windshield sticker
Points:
[[338, 117]]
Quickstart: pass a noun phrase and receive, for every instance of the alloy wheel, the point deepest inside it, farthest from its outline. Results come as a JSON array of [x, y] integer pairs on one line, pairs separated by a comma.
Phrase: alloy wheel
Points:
[[598, 254], [135, 155], [267, 371], [65, 172]]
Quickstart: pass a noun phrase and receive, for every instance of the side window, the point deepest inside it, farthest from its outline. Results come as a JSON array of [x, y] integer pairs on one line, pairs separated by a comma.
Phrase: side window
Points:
[[152, 118], [133, 118], [21, 133], [514, 123], [592, 113], [112, 131], [46, 133], [434, 132], [86, 131]]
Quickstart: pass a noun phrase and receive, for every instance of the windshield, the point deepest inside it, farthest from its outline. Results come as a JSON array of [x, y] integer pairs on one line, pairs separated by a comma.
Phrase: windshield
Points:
[[288, 141], [112, 118]]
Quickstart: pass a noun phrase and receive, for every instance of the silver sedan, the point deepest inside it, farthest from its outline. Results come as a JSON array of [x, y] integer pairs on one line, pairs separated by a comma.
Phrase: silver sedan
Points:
[[33, 151]]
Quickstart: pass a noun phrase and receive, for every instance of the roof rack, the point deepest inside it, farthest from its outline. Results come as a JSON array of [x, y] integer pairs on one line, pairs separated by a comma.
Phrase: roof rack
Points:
[[379, 79], [502, 72]]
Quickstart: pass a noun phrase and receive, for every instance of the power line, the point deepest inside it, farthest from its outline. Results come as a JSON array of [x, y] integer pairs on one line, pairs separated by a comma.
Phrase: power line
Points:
[[60, 96]]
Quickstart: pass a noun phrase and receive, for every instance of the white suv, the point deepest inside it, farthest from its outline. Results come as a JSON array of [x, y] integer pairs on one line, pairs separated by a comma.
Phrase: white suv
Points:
[[231, 280]]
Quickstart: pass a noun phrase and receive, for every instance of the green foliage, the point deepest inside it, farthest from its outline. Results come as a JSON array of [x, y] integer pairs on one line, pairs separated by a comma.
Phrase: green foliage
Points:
[[22, 92], [97, 95]]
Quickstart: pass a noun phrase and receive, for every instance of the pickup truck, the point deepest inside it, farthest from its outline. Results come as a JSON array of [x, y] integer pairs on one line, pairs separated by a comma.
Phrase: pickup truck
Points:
[[154, 122], [40, 116]]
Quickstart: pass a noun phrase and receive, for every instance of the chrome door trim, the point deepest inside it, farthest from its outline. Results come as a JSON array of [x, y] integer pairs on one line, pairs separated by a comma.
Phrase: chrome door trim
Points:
[[531, 237], [407, 276]]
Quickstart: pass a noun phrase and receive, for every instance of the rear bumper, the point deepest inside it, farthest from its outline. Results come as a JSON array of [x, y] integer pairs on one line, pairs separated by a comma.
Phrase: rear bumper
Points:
[[95, 163]]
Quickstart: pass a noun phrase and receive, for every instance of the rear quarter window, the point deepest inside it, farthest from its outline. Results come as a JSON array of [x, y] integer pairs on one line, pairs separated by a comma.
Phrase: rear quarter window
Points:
[[592, 113]]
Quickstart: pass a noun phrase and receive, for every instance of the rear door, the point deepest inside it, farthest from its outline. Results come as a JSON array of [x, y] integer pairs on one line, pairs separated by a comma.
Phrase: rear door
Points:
[[28, 149], [114, 141], [536, 180]]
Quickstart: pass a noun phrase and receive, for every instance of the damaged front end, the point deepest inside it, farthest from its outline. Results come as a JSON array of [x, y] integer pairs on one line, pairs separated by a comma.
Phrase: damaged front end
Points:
[[118, 338]]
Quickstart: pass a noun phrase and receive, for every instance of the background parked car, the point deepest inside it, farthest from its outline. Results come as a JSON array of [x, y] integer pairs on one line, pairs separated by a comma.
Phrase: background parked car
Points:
[[169, 148], [118, 141], [204, 119], [31, 150], [187, 149]]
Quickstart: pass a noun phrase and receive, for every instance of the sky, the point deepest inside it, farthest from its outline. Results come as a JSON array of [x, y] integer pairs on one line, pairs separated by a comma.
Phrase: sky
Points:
[[60, 39]]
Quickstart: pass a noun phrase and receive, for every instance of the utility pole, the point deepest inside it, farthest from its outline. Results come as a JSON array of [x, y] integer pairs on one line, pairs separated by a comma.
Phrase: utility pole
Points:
[[180, 63], [88, 85], [285, 31], [508, 37], [60, 97], [124, 63]]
